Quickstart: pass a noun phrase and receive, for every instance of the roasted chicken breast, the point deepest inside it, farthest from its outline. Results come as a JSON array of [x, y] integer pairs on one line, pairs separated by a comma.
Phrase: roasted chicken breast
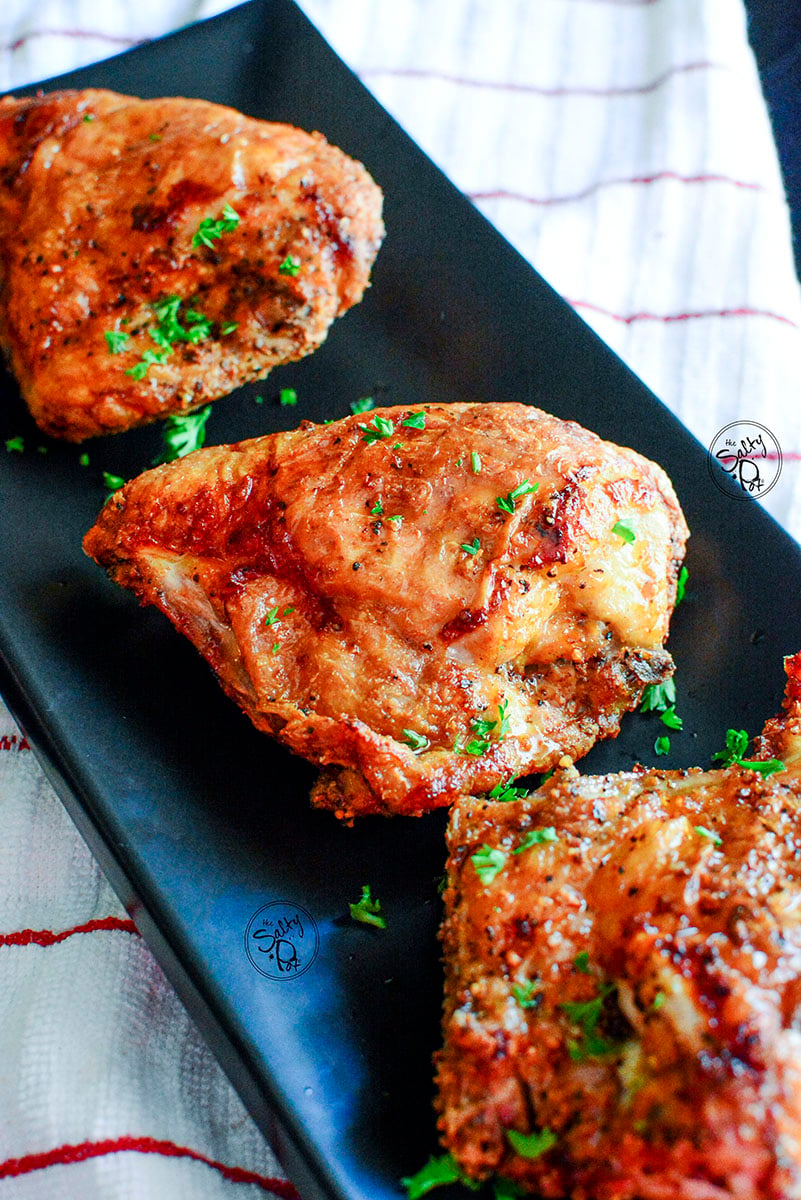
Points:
[[421, 601], [623, 982], [157, 254]]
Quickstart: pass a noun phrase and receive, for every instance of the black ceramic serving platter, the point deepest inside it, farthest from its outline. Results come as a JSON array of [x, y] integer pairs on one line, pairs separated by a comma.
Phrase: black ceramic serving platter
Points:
[[199, 821]]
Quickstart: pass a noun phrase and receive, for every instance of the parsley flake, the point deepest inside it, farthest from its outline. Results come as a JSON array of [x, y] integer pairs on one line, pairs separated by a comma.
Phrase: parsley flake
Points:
[[709, 833], [87, 117], [527, 994], [272, 616], [154, 137], [582, 962], [660, 999], [287, 397], [83, 459], [367, 910], [397, 518], [168, 331], [290, 266], [362, 406], [417, 741], [537, 837], [507, 503], [117, 340], [586, 1015], [736, 746], [669, 718], [15, 445], [415, 420], [276, 647], [488, 862], [209, 230], [658, 697], [437, 1172], [380, 428], [662, 745], [475, 462], [229, 327], [182, 433], [624, 532], [378, 509], [471, 547], [504, 793], [532, 1145], [681, 585], [112, 482]]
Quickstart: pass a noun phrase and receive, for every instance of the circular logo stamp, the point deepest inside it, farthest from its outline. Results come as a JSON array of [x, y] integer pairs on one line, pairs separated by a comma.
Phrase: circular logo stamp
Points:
[[281, 940], [744, 460]]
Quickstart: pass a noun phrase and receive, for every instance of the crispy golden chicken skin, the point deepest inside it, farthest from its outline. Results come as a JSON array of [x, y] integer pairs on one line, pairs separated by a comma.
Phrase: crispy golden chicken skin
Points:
[[421, 601], [623, 982], [209, 246]]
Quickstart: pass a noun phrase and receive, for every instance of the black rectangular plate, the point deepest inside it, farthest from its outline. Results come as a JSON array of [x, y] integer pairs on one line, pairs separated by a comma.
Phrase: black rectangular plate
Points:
[[198, 820]]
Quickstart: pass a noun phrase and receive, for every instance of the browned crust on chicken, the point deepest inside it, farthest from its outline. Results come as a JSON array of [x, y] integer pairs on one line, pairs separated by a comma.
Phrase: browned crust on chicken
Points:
[[101, 196], [669, 903], [329, 581]]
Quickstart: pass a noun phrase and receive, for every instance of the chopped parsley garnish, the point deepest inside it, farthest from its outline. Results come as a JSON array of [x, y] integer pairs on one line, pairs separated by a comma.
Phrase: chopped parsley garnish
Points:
[[228, 328], [507, 503], [362, 406], [471, 547], [586, 1015], [624, 532], [396, 517], [715, 838], [475, 462], [417, 741], [488, 862], [681, 585], [168, 331], [476, 747], [112, 482], [276, 647], [15, 445], [669, 718], [537, 837], [662, 745], [183, 433], [504, 793], [415, 420], [154, 137], [531, 1145], [380, 428], [582, 962], [83, 459], [287, 397], [526, 994], [736, 746], [658, 697], [437, 1172], [259, 399], [288, 611], [660, 999], [484, 728], [209, 230], [88, 117], [117, 340], [378, 509], [290, 266], [272, 616], [367, 910], [503, 719]]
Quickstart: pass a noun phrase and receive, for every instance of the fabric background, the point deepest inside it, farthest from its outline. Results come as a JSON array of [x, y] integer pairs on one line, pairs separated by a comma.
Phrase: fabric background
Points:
[[623, 147]]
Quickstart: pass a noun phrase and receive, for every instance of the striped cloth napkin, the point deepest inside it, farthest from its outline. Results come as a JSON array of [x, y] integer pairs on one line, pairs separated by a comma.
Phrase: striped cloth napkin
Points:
[[624, 148]]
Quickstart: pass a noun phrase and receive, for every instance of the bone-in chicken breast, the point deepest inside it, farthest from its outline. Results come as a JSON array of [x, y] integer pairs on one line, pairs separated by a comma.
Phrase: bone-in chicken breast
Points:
[[623, 982], [421, 601], [157, 254]]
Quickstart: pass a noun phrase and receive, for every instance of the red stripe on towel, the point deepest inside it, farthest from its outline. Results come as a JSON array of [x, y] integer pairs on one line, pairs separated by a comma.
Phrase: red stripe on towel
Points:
[[658, 177], [47, 937], [636, 89], [670, 318], [80, 1152]]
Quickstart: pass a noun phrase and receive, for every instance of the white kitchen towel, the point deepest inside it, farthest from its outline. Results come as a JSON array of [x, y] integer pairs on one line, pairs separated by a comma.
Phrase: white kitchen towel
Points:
[[623, 147]]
